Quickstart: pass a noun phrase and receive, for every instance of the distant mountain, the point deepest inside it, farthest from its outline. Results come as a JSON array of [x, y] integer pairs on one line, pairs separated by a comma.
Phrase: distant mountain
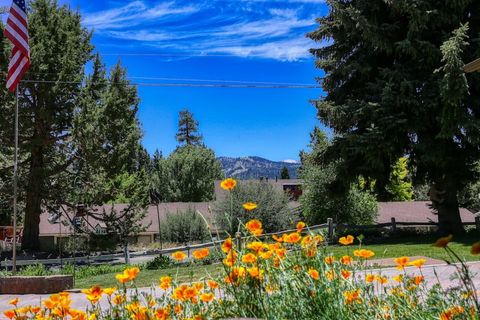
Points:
[[256, 167]]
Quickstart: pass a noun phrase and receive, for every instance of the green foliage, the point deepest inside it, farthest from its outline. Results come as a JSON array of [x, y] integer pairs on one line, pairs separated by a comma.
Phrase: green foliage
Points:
[[160, 262], [60, 47], [184, 227], [284, 174], [35, 270], [192, 171], [272, 207], [395, 87], [320, 200], [399, 186], [188, 129]]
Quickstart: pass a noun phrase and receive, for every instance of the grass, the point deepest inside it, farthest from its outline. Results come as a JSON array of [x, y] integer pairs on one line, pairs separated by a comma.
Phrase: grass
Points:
[[148, 277], [417, 245], [413, 245]]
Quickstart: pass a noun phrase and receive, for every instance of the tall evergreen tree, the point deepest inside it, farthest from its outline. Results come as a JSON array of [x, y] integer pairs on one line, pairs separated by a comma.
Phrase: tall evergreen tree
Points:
[[188, 129], [60, 48], [395, 86]]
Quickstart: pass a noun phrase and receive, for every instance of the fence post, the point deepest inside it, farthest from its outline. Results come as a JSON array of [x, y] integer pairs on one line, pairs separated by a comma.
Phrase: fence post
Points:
[[330, 229], [188, 249], [394, 225], [477, 223], [238, 237]]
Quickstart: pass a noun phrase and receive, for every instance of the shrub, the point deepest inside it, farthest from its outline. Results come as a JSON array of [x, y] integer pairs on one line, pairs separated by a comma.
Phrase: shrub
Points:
[[160, 262], [319, 203], [272, 207], [184, 227]]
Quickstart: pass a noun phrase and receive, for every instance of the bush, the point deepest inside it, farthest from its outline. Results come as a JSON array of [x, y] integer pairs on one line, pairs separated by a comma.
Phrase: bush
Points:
[[272, 207], [160, 262], [319, 203], [35, 270], [184, 227]]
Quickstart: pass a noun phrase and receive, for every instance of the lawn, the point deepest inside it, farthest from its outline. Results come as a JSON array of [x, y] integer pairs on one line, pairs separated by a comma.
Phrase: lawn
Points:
[[148, 277], [418, 245]]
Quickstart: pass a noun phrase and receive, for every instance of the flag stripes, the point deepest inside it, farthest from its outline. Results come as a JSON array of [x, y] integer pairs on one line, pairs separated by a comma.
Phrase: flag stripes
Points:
[[16, 31]]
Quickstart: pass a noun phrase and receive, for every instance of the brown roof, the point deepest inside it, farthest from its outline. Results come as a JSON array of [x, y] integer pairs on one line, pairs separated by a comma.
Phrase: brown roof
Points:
[[48, 228], [413, 211], [278, 183]]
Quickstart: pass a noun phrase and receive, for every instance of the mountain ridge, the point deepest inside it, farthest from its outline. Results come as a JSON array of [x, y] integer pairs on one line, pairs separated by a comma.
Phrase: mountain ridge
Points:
[[254, 167]]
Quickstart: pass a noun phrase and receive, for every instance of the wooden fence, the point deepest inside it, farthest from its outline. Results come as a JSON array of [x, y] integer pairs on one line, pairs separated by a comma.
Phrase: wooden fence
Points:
[[330, 228]]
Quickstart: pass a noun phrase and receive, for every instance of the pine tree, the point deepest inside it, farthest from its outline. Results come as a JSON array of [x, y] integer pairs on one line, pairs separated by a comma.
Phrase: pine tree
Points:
[[188, 129], [395, 87], [60, 48], [284, 174]]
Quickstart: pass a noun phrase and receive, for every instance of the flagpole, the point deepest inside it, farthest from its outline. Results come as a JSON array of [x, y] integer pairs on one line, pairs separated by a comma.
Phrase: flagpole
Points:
[[15, 186]]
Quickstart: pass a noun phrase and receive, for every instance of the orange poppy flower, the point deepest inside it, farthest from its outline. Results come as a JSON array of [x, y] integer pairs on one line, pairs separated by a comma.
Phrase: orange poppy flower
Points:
[[254, 226], [329, 259], [255, 273], [475, 248], [212, 284], [381, 280], [179, 256], [230, 259], [300, 226], [10, 314], [352, 296], [207, 297], [14, 302], [330, 275], [122, 278], [443, 242], [346, 240], [418, 263], [93, 294], [277, 238], [346, 260], [227, 245], [249, 206], [257, 246], [398, 278], [401, 262], [249, 258], [201, 254], [131, 273], [314, 274], [346, 274], [418, 279], [293, 237], [369, 278], [363, 253], [228, 184], [109, 291]]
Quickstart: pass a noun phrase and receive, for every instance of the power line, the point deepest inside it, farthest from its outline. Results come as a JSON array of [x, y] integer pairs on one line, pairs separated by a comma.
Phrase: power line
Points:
[[198, 80], [193, 85]]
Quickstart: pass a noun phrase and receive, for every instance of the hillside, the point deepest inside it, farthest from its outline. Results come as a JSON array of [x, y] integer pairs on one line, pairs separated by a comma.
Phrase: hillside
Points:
[[256, 167]]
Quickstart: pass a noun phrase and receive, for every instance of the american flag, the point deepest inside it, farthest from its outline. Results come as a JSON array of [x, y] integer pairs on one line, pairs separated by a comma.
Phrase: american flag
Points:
[[17, 32]]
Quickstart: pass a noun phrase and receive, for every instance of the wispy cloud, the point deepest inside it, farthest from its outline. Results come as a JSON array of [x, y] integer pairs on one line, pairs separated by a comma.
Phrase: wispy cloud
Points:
[[266, 29], [133, 14]]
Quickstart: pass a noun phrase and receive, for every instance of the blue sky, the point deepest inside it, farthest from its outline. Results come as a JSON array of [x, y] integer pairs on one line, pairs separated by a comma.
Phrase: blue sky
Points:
[[240, 40]]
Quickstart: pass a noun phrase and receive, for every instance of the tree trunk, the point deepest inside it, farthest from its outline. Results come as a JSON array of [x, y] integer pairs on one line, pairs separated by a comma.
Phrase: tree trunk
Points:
[[444, 199], [33, 208]]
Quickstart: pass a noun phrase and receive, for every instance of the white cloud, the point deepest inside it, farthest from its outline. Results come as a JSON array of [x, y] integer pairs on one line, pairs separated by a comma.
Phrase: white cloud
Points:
[[133, 14], [275, 32]]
